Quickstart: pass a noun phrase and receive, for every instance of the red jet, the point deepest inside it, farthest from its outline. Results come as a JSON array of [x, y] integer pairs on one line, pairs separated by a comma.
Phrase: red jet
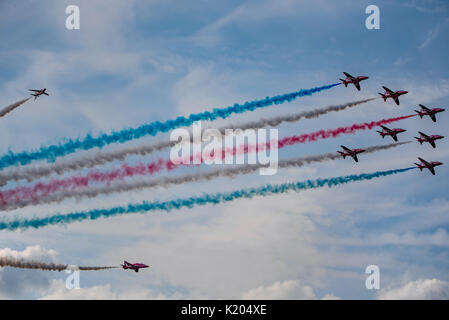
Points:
[[38, 93], [392, 94], [429, 112], [428, 165], [354, 80], [350, 152], [390, 132], [133, 266], [430, 139]]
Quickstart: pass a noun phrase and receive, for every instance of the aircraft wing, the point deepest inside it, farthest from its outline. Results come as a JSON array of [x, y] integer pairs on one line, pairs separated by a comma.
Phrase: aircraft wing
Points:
[[432, 143], [345, 148], [386, 89], [357, 85], [355, 158], [34, 90], [385, 128], [348, 75], [423, 134], [424, 107], [432, 170], [395, 137], [434, 119], [423, 161], [396, 99]]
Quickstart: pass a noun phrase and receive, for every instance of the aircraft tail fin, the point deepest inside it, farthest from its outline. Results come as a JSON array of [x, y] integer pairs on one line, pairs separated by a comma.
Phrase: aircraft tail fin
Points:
[[419, 140], [418, 166], [344, 82], [419, 113], [342, 154]]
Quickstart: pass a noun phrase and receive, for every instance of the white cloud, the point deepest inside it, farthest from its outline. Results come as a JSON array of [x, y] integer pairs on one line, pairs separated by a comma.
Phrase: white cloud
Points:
[[17, 283], [421, 289], [329, 296], [428, 6], [281, 290], [58, 291], [433, 33], [251, 12], [30, 253], [200, 89]]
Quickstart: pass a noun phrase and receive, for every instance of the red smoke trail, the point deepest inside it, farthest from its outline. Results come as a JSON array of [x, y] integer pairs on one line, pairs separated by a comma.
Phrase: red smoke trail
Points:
[[43, 189], [333, 133]]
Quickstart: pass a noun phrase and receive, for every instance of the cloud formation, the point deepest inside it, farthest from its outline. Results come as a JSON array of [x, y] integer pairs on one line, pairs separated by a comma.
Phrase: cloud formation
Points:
[[281, 290], [421, 289]]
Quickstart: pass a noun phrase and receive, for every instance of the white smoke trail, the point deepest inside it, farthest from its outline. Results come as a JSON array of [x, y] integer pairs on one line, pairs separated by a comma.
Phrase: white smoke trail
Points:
[[11, 107]]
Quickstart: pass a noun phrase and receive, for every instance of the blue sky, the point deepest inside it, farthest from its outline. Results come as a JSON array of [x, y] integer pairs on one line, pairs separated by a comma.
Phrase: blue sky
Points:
[[135, 62]]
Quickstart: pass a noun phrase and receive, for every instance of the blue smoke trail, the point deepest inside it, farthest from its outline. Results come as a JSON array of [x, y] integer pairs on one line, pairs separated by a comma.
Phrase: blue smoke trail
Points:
[[192, 201], [68, 146]]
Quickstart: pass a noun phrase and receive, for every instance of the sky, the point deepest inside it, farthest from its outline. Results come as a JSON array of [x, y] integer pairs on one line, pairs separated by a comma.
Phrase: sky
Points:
[[134, 62]]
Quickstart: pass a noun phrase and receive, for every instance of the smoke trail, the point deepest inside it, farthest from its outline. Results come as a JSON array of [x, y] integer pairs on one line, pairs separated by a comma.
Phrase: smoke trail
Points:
[[11, 107], [101, 157], [52, 152], [272, 122], [30, 264], [333, 133], [166, 181], [191, 202], [43, 189]]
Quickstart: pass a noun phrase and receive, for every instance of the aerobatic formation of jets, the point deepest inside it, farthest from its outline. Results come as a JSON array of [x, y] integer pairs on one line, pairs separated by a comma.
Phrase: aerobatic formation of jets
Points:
[[394, 95], [347, 152]]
